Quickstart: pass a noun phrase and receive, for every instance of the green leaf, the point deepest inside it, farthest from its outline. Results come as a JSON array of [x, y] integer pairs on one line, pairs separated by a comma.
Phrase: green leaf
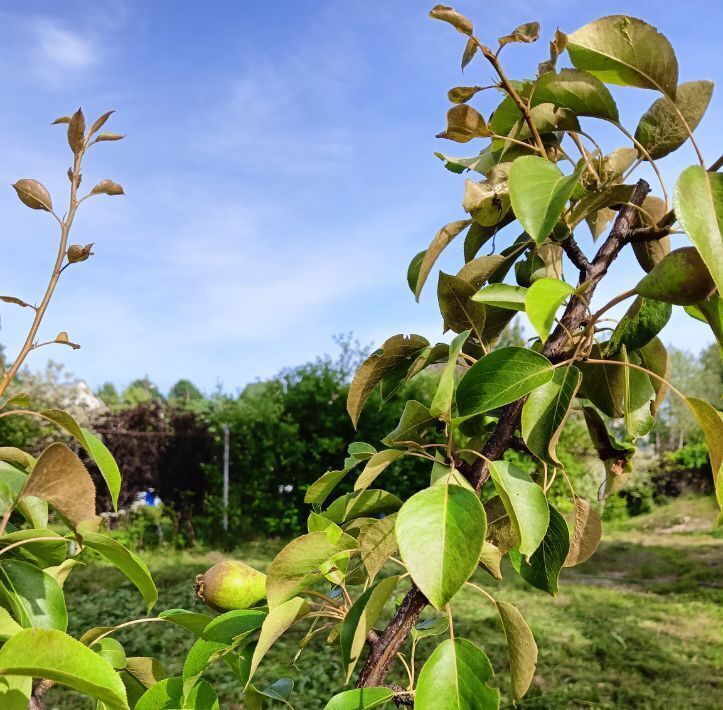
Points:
[[661, 131], [455, 678], [415, 420], [431, 626], [360, 620], [524, 502], [8, 626], [586, 534], [279, 690], [377, 542], [360, 699], [15, 692], [297, 565], [643, 321], [615, 455], [698, 203], [190, 620], [60, 478], [539, 192], [459, 311], [499, 378], [440, 532], [397, 349], [234, 625], [362, 503], [127, 562], [543, 299], [626, 51], [502, 296], [96, 449], [681, 278], [441, 240], [604, 385], [442, 402], [490, 559], [638, 398], [33, 596], [710, 311], [200, 657], [12, 480], [545, 412], [278, 621], [54, 655], [167, 694], [654, 357], [44, 553], [577, 91], [521, 646], [711, 422], [111, 651], [544, 565], [141, 673], [375, 466]]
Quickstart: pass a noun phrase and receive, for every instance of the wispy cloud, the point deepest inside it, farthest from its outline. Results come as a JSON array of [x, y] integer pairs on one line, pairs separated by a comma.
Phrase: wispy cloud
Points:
[[61, 46]]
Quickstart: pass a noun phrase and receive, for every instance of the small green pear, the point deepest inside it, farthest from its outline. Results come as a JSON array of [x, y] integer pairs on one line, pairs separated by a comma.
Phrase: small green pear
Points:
[[680, 278], [231, 585]]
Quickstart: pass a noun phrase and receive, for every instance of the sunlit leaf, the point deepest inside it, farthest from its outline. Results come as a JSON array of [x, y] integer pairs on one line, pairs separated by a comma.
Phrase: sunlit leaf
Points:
[[34, 195], [440, 532], [711, 422], [524, 502], [699, 209], [543, 567], [415, 420], [455, 677], [126, 561], [397, 349], [577, 91], [521, 646], [539, 192], [661, 130], [586, 534], [360, 620], [545, 412], [643, 321], [542, 300], [278, 621], [53, 655], [499, 378], [442, 402], [503, 296], [681, 278], [360, 699], [297, 565], [454, 18], [60, 478], [528, 32], [443, 237], [76, 132], [624, 50]]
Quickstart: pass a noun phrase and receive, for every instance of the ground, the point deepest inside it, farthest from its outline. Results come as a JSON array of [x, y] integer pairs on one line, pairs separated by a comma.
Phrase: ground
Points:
[[637, 626]]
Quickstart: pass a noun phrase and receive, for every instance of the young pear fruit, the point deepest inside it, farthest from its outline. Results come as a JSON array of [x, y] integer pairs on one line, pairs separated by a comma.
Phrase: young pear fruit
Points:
[[231, 585]]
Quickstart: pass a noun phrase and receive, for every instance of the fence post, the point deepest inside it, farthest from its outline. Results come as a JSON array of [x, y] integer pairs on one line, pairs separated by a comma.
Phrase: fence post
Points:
[[226, 437]]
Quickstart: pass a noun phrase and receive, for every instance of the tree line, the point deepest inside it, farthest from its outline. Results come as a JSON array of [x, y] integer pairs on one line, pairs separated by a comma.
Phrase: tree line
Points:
[[287, 430]]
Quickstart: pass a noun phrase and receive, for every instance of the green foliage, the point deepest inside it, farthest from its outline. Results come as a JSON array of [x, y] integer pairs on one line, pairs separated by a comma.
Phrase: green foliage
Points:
[[490, 426]]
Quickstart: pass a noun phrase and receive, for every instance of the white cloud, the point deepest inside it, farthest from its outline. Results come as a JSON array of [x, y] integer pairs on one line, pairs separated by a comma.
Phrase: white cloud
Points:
[[62, 47]]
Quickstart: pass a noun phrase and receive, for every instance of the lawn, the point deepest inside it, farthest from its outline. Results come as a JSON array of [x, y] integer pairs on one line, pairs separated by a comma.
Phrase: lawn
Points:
[[640, 625]]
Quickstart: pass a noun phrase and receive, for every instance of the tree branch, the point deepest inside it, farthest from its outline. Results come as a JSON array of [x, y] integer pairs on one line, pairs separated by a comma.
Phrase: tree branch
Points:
[[384, 650], [575, 254]]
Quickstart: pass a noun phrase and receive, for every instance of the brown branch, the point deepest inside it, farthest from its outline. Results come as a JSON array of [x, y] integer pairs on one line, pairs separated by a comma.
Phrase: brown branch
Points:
[[575, 254], [385, 649], [36, 699]]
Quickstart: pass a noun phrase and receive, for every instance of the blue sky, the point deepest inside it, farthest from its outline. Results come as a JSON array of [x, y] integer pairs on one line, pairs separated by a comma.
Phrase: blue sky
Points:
[[279, 171]]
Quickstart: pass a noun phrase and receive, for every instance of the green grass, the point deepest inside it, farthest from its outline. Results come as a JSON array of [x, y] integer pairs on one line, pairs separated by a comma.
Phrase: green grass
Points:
[[637, 626]]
